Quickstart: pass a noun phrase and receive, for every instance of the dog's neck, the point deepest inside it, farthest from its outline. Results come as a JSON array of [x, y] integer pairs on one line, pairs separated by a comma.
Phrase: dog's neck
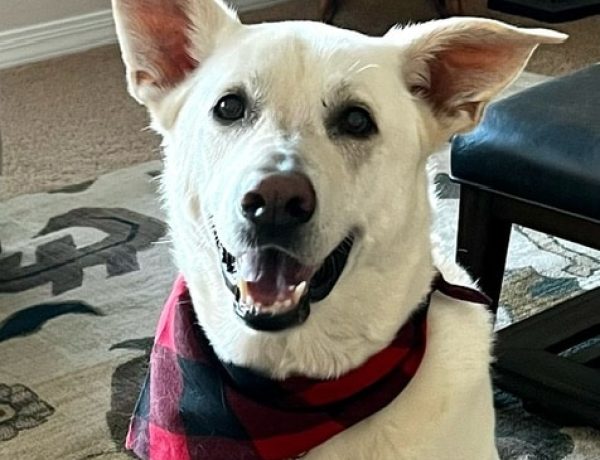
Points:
[[390, 284], [387, 276]]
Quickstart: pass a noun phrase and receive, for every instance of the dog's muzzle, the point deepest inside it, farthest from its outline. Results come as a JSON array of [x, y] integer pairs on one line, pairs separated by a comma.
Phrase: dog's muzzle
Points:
[[272, 289]]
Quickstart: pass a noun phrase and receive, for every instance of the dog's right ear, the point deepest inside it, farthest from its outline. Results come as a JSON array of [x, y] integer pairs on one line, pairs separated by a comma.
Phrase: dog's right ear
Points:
[[162, 41]]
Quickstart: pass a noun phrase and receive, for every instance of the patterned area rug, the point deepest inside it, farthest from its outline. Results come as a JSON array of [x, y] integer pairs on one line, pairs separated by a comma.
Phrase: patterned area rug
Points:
[[541, 271], [83, 274]]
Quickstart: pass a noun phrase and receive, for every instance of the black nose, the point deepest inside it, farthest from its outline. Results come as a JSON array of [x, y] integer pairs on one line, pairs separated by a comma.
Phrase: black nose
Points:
[[280, 200]]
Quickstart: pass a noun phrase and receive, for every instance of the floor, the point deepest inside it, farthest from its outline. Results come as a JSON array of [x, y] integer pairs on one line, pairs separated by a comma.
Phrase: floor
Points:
[[69, 119]]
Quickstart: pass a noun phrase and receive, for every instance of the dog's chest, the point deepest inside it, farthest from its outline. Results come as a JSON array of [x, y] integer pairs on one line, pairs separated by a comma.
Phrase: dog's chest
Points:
[[446, 411]]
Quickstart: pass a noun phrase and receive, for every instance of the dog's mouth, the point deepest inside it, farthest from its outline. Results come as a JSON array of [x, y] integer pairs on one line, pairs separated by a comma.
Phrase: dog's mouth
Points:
[[273, 290]]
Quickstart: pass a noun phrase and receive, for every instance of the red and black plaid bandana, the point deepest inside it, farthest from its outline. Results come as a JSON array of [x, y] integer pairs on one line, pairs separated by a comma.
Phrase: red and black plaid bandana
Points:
[[193, 406]]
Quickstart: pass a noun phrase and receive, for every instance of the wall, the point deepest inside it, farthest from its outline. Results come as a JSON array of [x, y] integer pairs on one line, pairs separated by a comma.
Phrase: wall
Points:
[[21, 13]]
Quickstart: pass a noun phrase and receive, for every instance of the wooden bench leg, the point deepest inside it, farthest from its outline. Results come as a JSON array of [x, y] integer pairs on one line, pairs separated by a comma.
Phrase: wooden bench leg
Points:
[[482, 242], [551, 361], [327, 9], [447, 8]]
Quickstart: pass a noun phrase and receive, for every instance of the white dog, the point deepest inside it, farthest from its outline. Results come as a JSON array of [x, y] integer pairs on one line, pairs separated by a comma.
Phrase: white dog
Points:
[[297, 197]]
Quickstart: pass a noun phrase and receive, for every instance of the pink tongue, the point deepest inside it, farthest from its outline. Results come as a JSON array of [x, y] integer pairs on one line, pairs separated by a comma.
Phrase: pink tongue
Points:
[[269, 274]]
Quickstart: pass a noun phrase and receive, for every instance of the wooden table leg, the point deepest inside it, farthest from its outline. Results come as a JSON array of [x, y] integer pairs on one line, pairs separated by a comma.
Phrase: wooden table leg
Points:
[[327, 10], [447, 8]]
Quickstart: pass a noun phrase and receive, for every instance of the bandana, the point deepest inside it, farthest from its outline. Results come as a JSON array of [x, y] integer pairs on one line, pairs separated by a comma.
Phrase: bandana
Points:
[[193, 406]]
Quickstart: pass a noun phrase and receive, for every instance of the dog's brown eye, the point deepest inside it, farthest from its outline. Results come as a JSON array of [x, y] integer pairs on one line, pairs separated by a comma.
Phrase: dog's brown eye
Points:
[[230, 108], [356, 122]]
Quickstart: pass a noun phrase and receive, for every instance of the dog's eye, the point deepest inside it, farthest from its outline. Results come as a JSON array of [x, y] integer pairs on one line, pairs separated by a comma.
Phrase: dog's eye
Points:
[[357, 122], [230, 108]]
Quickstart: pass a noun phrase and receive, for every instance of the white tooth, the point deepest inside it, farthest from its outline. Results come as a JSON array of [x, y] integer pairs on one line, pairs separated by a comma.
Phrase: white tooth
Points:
[[243, 287], [296, 297], [302, 287], [258, 305], [291, 288], [276, 305], [249, 300], [287, 303], [298, 292]]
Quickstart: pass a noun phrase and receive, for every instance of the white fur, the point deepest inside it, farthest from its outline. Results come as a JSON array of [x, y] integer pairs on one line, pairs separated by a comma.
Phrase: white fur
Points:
[[446, 411]]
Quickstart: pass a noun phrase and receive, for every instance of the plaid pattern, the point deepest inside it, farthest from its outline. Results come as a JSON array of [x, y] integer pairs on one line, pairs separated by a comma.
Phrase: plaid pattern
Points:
[[193, 406]]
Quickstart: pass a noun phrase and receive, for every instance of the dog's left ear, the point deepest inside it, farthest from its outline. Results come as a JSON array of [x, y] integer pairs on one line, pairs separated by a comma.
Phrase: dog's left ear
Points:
[[163, 41], [458, 65]]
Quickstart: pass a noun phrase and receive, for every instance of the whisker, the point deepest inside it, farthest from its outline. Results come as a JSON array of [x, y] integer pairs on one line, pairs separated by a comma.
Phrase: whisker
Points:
[[367, 67], [353, 66]]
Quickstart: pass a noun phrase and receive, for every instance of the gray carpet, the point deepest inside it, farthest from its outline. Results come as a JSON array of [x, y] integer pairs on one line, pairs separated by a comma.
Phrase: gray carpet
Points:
[[69, 119]]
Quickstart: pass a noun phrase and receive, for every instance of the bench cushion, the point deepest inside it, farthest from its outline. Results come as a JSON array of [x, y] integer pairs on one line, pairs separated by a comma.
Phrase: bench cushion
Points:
[[540, 145]]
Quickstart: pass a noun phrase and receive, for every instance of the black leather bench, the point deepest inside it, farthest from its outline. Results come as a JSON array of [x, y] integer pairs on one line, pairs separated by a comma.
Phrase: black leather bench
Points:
[[548, 10], [535, 161]]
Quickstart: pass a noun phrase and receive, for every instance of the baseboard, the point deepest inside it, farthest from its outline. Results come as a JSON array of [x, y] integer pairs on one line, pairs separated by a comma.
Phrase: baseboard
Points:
[[56, 38]]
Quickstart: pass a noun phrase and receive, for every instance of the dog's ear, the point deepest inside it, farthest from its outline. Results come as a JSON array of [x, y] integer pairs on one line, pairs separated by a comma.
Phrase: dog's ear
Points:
[[458, 65], [162, 41]]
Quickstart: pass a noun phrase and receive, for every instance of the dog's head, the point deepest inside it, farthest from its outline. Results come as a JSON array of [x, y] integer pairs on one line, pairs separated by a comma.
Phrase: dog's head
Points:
[[295, 176]]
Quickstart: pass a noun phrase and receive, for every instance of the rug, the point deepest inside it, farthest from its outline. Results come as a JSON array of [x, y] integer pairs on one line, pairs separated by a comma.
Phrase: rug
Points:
[[85, 269], [541, 271]]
